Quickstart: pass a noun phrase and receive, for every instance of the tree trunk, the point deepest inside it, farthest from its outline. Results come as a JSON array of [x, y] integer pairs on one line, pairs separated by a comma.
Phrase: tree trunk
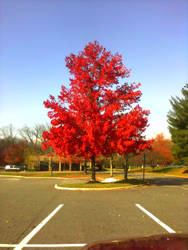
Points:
[[70, 166], [144, 165], [126, 167], [80, 166], [85, 167], [111, 166], [93, 169], [50, 165], [59, 165]]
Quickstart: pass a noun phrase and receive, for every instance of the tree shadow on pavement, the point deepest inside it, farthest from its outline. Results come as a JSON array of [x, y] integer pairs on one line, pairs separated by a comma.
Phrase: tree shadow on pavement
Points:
[[168, 181]]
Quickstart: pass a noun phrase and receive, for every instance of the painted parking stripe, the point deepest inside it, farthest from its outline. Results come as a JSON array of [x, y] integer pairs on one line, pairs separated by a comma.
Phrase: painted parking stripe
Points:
[[8, 245], [37, 229], [56, 245], [12, 179], [167, 228], [44, 245]]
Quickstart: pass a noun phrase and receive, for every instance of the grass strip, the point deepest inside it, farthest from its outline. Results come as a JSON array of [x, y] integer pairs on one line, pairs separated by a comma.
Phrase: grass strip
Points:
[[131, 182]]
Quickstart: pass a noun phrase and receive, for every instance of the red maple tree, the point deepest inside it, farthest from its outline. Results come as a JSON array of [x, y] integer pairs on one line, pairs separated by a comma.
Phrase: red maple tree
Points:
[[97, 114]]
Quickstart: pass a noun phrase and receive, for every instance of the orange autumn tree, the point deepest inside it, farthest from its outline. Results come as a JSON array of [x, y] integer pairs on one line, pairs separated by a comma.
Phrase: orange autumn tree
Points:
[[2, 157], [162, 153], [15, 153]]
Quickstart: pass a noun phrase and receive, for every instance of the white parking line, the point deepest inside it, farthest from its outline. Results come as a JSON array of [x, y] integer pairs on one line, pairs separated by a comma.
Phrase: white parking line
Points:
[[8, 245], [56, 245], [167, 228], [12, 179], [44, 245], [36, 229]]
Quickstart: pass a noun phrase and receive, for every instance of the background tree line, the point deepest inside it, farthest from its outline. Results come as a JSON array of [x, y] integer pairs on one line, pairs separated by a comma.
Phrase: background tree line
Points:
[[16, 145], [160, 155]]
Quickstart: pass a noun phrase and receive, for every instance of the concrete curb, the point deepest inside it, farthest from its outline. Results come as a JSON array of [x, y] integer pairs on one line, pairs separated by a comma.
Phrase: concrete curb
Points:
[[94, 189]]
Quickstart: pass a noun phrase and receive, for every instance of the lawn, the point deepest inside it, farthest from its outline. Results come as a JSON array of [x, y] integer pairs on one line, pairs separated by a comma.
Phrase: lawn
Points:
[[44, 174], [178, 171], [75, 174]]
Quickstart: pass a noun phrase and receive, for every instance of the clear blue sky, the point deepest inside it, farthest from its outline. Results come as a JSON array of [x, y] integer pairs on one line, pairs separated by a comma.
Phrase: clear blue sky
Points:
[[36, 35]]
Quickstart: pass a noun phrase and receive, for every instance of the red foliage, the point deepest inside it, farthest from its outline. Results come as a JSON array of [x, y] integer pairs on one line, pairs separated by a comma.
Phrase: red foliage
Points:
[[15, 153], [95, 116]]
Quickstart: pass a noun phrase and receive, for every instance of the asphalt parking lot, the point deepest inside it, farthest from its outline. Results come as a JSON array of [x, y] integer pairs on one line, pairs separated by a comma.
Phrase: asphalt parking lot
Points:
[[71, 219]]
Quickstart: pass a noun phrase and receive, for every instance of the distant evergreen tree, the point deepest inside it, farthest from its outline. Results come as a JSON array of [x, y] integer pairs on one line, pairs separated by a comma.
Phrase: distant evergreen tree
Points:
[[178, 126]]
